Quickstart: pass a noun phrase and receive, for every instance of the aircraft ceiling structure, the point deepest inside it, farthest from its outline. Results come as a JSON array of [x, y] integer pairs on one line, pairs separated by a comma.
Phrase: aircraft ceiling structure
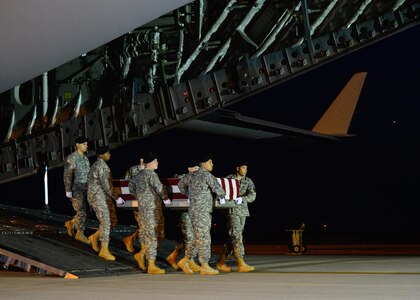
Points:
[[199, 57], [37, 36]]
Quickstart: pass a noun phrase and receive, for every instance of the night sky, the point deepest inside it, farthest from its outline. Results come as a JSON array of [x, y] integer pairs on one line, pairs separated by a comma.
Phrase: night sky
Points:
[[362, 189]]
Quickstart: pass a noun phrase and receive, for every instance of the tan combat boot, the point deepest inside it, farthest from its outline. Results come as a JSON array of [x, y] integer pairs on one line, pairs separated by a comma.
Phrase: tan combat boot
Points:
[[94, 241], [221, 264], [207, 270], [153, 269], [70, 227], [104, 253], [171, 258], [193, 266], [128, 241], [243, 267], [139, 257], [80, 236], [183, 264]]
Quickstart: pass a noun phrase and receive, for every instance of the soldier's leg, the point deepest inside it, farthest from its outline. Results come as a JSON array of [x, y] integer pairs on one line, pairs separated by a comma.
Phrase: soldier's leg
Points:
[[94, 241], [151, 231], [112, 213], [221, 264], [94, 238], [103, 215], [237, 227], [202, 225], [190, 246], [79, 204], [140, 234], [186, 229], [129, 240], [70, 227], [137, 218], [140, 256], [188, 233], [160, 226], [172, 257], [196, 223], [227, 248]]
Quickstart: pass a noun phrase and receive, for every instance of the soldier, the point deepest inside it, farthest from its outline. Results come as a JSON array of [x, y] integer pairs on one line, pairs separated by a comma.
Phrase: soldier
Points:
[[76, 169], [236, 218], [149, 192], [134, 170], [187, 263], [200, 187], [129, 240], [100, 196]]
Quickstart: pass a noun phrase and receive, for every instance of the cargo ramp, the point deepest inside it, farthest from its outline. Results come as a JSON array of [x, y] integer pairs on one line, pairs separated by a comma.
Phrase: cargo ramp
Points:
[[36, 241]]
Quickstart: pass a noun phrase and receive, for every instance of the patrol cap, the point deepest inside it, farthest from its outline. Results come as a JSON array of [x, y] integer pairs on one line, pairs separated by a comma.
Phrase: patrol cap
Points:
[[149, 157], [240, 163], [81, 140], [192, 164], [204, 158], [102, 150]]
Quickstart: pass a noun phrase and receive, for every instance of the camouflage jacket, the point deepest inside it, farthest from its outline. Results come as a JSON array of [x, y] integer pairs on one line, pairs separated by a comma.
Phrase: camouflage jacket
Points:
[[247, 192], [147, 188], [100, 180], [201, 185], [133, 171], [76, 169], [183, 183]]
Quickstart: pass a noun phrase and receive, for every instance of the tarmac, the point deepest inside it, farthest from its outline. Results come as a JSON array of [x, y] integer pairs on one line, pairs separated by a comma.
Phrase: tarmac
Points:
[[333, 271], [277, 276]]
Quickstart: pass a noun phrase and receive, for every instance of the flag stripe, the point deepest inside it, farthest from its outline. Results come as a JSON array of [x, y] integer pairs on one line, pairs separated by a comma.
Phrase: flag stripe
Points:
[[232, 191], [231, 187], [227, 188]]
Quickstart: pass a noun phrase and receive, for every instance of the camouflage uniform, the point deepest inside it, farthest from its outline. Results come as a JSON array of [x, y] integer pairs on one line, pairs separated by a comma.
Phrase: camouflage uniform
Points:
[[133, 171], [76, 169], [200, 187], [186, 225], [236, 217], [100, 196], [149, 192]]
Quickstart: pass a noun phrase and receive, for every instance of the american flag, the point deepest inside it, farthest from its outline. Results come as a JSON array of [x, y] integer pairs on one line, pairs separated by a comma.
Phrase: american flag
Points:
[[121, 188], [231, 187], [179, 200]]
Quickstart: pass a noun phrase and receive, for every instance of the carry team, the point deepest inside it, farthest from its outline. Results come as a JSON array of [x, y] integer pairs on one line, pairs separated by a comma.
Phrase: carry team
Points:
[[93, 184]]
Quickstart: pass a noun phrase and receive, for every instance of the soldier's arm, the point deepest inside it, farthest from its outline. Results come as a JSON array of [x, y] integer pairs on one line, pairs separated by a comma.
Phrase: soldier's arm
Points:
[[69, 167], [250, 193], [106, 183], [132, 187], [158, 187], [215, 186], [183, 185]]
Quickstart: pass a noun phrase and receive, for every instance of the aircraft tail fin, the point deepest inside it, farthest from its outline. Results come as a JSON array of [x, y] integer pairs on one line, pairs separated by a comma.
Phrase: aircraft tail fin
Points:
[[336, 120]]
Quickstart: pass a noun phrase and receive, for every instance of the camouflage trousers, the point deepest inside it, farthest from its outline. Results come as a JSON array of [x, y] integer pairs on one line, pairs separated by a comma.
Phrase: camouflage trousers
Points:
[[236, 226], [152, 226], [79, 204], [188, 232], [201, 222], [139, 231], [107, 216]]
